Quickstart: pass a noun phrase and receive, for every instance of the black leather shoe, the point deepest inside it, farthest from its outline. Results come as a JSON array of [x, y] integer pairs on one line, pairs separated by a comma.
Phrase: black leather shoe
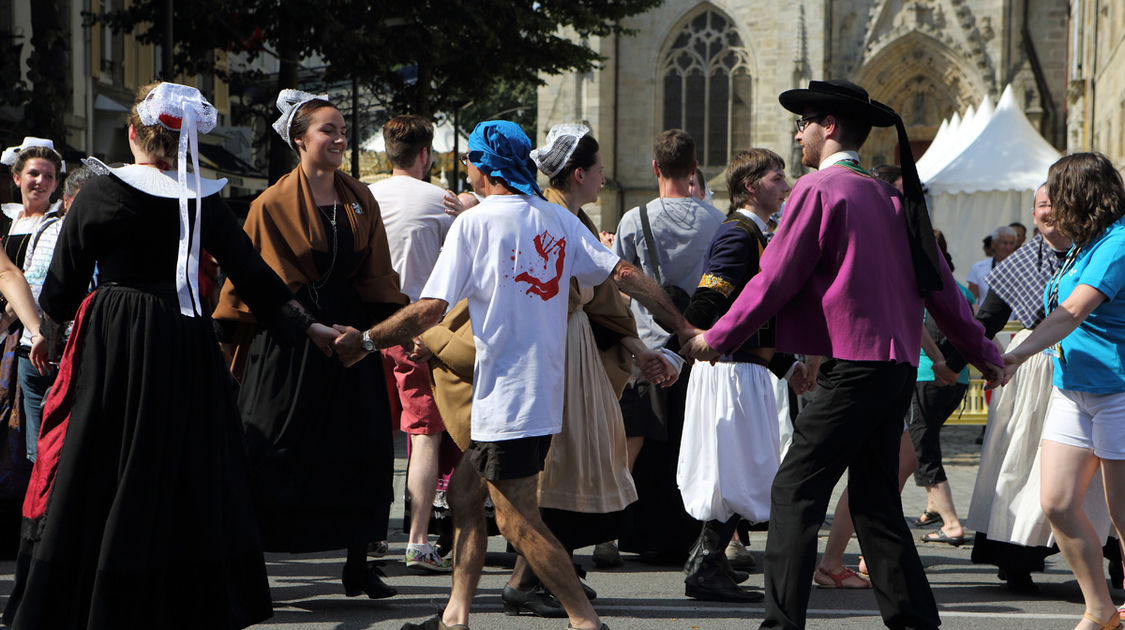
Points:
[[1020, 582], [721, 593], [434, 623], [537, 601], [365, 579]]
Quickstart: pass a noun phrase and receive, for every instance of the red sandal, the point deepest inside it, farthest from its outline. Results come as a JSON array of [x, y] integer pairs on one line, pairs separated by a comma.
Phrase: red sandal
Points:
[[836, 580]]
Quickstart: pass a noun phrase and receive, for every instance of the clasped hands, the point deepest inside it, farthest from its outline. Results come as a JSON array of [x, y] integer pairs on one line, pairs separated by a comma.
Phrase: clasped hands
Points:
[[693, 346], [346, 343]]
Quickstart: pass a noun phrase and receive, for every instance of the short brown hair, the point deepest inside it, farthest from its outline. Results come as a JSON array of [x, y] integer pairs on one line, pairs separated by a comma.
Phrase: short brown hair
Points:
[[155, 139], [42, 152], [405, 137], [302, 118], [853, 132], [1087, 195], [746, 168], [675, 153]]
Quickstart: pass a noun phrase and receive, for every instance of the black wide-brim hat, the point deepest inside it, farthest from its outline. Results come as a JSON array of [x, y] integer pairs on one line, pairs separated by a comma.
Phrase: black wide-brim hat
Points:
[[836, 96]]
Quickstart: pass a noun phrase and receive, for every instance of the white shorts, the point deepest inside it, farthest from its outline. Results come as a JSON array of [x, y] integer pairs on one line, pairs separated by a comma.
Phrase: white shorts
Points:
[[1094, 422]]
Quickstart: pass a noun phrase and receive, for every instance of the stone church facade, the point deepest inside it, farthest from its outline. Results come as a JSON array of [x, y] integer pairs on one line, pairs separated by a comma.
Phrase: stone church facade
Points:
[[715, 68]]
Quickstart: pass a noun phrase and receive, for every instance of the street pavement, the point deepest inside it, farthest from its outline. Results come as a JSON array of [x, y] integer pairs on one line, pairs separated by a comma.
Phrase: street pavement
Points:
[[308, 596]]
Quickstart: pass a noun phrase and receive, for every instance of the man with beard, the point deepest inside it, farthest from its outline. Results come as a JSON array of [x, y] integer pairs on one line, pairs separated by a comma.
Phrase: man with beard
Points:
[[852, 266]]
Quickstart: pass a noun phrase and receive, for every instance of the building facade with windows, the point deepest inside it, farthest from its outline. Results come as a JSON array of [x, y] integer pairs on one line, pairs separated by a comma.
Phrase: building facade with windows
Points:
[[104, 70], [715, 68]]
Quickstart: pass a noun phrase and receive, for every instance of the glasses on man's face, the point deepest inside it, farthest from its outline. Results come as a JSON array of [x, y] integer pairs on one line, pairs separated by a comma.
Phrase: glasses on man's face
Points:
[[464, 158], [804, 121]]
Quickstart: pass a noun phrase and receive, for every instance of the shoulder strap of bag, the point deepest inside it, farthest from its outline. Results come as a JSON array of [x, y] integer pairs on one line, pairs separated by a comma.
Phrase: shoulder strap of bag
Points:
[[647, 229], [41, 229]]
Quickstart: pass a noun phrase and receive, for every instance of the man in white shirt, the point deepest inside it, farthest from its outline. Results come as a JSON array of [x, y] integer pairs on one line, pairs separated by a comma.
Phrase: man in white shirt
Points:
[[512, 257], [416, 222], [1004, 240]]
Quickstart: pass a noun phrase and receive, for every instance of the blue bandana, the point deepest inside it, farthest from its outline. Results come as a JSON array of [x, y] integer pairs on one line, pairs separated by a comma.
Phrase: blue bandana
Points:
[[501, 149]]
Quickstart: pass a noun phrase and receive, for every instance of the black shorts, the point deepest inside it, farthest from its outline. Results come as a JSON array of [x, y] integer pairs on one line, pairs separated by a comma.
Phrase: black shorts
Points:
[[509, 459]]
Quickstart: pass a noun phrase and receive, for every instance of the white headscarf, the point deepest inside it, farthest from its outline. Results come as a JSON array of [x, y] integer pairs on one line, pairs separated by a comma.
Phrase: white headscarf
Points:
[[288, 102], [11, 154], [562, 140]]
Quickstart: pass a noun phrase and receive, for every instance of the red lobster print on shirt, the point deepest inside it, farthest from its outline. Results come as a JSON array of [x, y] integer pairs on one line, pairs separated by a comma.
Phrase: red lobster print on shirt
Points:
[[547, 247]]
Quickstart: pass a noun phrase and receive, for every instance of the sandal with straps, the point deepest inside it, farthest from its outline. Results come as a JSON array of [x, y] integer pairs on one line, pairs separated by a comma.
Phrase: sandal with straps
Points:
[[1113, 623], [838, 578]]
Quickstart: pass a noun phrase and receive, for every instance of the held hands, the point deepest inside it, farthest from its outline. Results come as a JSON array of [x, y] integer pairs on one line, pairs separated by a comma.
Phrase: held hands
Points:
[[1012, 363], [419, 353], [696, 349], [656, 369], [943, 375], [349, 345], [322, 336], [999, 376], [803, 378]]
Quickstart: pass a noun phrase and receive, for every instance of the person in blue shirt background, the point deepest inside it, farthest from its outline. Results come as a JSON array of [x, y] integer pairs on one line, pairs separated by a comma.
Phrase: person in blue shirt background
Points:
[[1085, 331]]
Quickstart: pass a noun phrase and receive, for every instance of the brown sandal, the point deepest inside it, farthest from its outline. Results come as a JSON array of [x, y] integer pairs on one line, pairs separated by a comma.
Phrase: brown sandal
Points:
[[1113, 623], [838, 578]]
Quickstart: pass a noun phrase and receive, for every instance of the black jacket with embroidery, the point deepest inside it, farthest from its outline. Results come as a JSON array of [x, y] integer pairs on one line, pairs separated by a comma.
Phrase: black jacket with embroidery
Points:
[[732, 259]]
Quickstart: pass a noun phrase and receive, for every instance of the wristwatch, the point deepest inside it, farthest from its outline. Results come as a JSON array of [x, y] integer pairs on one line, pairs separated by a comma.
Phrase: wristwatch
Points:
[[368, 344]]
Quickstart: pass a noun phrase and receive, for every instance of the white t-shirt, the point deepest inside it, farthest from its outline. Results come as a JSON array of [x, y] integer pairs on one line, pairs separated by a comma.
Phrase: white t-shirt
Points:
[[978, 274], [513, 256], [416, 225]]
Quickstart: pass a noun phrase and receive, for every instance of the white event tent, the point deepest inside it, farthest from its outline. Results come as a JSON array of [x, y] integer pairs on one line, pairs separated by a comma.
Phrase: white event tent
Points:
[[443, 139], [984, 175]]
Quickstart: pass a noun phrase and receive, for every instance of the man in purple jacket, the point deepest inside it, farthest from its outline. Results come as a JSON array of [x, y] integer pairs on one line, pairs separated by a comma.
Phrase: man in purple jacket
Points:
[[848, 274]]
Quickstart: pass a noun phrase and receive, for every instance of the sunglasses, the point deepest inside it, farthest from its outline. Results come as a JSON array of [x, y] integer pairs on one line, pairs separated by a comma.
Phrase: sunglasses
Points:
[[804, 121], [463, 158]]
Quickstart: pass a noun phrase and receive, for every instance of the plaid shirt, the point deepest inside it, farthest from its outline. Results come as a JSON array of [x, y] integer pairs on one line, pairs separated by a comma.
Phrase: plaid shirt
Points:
[[1020, 279]]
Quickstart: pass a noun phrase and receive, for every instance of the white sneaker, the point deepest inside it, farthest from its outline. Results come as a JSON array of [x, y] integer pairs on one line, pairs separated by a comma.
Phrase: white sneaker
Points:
[[740, 557]]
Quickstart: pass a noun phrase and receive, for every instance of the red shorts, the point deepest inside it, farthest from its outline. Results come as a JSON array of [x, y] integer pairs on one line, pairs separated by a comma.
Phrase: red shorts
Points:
[[419, 412]]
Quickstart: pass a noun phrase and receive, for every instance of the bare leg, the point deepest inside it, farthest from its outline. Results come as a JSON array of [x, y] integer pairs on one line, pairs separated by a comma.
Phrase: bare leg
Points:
[[517, 514], [1065, 474], [421, 482], [939, 498], [467, 491], [833, 558], [842, 529]]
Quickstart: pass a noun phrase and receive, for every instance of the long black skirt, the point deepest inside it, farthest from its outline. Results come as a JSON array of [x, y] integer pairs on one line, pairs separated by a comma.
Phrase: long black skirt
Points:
[[148, 523], [320, 445]]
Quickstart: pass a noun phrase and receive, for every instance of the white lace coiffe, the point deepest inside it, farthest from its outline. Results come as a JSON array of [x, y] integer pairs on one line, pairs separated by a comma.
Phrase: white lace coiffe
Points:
[[562, 140], [182, 108], [288, 102], [11, 154]]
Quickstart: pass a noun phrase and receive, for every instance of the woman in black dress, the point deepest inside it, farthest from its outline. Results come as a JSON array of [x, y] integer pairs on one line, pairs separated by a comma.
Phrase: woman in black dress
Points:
[[141, 517], [318, 434]]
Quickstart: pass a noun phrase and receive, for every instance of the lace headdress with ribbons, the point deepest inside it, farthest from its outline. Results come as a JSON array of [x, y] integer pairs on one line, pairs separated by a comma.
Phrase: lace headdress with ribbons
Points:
[[11, 154], [288, 102], [182, 108]]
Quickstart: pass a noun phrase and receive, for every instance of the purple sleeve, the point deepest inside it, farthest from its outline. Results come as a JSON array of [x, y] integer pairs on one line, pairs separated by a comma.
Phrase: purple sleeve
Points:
[[953, 316], [786, 264]]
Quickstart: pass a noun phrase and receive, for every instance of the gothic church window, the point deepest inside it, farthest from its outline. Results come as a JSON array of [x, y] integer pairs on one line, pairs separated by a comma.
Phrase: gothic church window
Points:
[[705, 75]]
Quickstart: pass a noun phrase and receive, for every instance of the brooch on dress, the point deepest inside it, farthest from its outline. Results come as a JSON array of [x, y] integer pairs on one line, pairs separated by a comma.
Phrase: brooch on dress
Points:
[[356, 208]]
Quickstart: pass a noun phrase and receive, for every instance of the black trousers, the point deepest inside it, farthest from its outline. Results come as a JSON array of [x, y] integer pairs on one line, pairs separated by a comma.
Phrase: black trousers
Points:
[[930, 405], [853, 422]]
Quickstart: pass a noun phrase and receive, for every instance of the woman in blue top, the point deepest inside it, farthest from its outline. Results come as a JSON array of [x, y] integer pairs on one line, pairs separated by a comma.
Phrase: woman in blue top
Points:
[[1085, 332]]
